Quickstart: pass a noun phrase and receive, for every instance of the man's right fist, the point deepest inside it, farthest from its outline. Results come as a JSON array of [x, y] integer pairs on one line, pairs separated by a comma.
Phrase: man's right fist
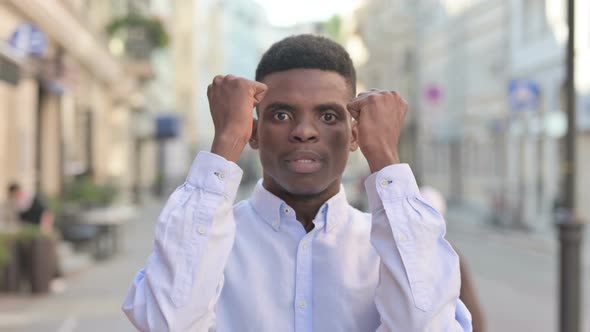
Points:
[[231, 102]]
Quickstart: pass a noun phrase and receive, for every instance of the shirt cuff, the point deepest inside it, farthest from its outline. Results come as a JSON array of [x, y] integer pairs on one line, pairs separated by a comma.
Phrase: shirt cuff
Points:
[[392, 183], [214, 173]]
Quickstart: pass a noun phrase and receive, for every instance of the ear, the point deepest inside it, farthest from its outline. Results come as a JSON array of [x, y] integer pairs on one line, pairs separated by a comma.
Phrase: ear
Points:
[[354, 143], [254, 136]]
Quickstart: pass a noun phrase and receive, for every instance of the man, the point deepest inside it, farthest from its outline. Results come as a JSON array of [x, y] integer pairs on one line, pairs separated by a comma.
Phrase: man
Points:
[[296, 256], [30, 208]]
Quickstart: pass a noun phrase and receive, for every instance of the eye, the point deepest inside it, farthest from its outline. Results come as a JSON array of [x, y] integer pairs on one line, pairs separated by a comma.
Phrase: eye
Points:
[[281, 116], [329, 117]]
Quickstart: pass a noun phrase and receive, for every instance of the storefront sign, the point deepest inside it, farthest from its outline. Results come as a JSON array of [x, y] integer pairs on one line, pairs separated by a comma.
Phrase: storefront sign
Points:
[[28, 40], [167, 126]]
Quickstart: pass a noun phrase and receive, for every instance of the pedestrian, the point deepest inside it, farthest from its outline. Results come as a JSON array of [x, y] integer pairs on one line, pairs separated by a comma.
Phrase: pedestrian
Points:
[[467, 293], [296, 255], [30, 208]]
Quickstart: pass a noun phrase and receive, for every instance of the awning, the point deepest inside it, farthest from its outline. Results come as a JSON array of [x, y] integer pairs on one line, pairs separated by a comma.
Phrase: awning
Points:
[[10, 70]]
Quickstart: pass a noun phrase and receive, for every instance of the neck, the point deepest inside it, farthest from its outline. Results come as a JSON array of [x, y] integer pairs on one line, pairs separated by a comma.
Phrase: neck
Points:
[[305, 209], [306, 206]]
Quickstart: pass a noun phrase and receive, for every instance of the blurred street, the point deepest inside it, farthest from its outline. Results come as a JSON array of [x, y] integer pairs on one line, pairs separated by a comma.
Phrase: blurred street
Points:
[[104, 104], [92, 300], [514, 274]]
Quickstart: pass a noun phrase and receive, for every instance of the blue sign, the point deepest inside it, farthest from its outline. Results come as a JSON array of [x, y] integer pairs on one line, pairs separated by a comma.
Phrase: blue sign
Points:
[[523, 94], [29, 40], [167, 126]]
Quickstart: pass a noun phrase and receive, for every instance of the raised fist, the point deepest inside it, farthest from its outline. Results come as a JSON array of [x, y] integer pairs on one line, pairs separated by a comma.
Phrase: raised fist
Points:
[[231, 102]]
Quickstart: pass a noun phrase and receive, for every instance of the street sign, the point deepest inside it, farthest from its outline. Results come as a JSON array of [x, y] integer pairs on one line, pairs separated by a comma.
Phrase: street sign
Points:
[[433, 94], [28, 40], [523, 94]]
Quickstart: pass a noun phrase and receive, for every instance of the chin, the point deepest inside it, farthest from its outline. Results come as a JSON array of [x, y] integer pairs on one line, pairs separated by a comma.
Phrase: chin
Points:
[[300, 190], [305, 187]]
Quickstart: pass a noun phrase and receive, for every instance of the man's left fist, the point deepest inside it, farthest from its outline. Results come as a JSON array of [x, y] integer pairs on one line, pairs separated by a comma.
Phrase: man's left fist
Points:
[[380, 116]]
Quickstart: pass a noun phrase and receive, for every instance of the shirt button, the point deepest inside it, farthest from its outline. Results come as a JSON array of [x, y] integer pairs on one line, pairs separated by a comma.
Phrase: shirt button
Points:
[[302, 305], [220, 175], [287, 210], [402, 238], [384, 183], [201, 230], [304, 245]]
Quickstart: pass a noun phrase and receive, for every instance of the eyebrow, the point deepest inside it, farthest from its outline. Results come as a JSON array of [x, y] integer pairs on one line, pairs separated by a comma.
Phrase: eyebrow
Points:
[[320, 107], [279, 105]]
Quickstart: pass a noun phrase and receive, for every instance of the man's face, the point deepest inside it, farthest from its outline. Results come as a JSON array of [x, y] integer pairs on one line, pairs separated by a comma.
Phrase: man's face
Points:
[[304, 133]]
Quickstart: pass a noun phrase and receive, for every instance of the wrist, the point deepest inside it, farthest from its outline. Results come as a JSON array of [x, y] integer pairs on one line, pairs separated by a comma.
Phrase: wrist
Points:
[[381, 160], [228, 147]]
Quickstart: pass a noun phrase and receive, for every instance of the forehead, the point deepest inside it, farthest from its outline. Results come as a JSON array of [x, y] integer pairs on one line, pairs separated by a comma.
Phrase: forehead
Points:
[[306, 85]]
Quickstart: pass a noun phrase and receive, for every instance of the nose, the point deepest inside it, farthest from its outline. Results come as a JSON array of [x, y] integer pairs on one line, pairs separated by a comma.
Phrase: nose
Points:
[[305, 130]]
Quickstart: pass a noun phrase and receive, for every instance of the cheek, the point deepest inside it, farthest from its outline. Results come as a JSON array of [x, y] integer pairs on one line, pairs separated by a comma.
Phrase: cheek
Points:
[[340, 139], [340, 145]]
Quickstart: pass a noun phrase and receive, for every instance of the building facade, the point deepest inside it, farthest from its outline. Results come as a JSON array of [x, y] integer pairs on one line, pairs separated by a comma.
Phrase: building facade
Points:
[[465, 56], [67, 113]]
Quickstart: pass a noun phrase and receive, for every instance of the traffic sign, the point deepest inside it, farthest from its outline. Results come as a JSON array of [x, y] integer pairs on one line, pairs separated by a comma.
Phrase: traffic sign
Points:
[[523, 94]]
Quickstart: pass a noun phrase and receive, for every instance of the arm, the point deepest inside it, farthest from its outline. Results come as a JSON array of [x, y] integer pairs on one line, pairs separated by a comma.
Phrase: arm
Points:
[[179, 286], [182, 280], [419, 276]]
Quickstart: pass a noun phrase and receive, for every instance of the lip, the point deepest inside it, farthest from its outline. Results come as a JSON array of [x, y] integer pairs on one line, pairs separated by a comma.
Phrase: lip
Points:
[[303, 161]]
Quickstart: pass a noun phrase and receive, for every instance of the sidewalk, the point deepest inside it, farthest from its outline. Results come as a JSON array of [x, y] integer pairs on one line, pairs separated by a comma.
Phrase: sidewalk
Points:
[[471, 221], [93, 298]]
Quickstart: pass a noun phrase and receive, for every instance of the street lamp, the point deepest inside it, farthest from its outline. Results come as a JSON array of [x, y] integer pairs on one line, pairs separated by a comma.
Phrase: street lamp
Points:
[[569, 225]]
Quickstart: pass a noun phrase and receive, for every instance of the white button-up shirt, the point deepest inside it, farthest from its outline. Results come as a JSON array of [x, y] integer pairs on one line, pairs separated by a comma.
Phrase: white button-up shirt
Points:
[[253, 267]]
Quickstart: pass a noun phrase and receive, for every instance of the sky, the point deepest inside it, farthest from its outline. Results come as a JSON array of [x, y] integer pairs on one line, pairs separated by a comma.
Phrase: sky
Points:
[[289, 12]]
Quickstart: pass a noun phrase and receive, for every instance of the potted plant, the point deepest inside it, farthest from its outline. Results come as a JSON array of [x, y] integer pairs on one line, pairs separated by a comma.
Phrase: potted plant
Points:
[[90, 216], [140, 34], [9, 264], [37, 256], [80, 196]]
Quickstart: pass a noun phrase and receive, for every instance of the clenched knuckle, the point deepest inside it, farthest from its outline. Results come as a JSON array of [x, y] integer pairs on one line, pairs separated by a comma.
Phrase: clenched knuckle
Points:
[[373, 99]]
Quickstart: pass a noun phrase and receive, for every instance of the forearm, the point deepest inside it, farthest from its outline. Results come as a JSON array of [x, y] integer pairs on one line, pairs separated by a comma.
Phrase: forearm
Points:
[[178, 288], [419, 273]]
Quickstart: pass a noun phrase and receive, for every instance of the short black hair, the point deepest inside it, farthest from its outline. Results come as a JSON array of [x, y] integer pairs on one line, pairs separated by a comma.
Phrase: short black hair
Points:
[[307, 52], [13, 187]]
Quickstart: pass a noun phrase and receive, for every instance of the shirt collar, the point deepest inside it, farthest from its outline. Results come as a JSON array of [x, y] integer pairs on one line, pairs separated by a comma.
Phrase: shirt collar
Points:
[[272, 209]]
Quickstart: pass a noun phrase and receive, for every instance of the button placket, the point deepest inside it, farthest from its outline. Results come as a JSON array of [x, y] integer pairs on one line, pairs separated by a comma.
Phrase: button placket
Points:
[[302, 304], [303, 285]]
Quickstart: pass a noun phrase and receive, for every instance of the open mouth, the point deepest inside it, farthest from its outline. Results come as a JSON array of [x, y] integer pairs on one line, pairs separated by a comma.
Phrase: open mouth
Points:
[[304, 162], [303, 165]]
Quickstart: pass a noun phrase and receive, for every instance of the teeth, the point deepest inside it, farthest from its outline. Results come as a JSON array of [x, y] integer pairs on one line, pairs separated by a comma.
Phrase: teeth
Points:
[[305, 161]]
